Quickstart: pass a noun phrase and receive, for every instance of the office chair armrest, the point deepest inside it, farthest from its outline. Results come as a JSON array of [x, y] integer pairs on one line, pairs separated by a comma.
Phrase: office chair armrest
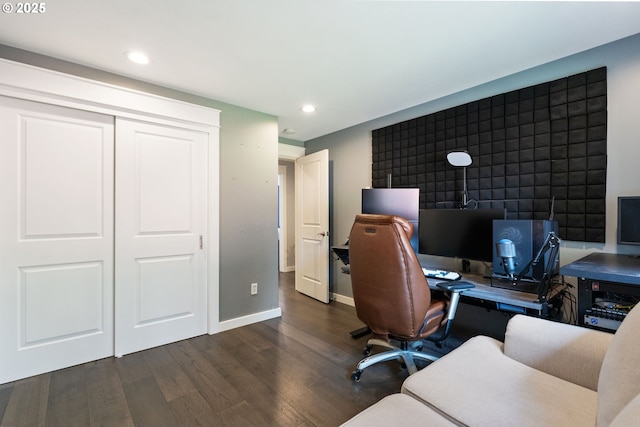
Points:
[[455, 286], [455, 289]]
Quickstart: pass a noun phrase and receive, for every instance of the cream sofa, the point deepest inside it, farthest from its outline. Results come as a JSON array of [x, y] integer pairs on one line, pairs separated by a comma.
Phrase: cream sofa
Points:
[[544, 374]]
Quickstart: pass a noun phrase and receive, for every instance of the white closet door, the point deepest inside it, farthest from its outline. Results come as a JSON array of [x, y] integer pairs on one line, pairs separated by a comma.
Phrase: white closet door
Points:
[[161, 206], [56, 237]]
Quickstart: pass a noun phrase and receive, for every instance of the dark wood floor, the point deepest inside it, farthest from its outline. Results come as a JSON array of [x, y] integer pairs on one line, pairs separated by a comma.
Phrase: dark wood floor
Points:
[[291, 371]]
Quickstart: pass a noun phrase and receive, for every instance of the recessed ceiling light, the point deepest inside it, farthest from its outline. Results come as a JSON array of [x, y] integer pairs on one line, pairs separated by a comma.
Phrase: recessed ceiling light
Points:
[[308, 108], [138, 57], [289, 131]]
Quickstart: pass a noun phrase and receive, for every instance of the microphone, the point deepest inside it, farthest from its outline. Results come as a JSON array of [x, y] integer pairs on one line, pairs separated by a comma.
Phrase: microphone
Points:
[[506, 250]]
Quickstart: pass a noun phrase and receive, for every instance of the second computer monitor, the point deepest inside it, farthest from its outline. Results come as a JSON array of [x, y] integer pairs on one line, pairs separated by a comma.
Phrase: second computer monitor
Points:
[[458, 233], [403, 202]]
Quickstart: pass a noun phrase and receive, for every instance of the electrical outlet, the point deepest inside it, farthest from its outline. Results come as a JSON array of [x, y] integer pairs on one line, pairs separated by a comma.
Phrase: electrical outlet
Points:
[[254, 289]]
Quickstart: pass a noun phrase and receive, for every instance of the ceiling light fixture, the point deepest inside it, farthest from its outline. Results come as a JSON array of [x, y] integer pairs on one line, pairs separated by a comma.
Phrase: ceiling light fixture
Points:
[[138, 57], [308, 108]]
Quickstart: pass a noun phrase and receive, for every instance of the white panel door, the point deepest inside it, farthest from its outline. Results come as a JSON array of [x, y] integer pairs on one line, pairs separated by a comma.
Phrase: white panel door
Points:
[[312, 225], [160, 276], [56, 237]]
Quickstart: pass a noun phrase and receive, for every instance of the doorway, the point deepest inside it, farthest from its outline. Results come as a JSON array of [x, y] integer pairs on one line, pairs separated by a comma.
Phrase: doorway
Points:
[[286, 216], [287, 155]]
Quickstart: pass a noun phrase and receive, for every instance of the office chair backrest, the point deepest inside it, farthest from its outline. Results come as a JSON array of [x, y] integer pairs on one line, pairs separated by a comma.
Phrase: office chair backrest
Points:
[[390, 291]]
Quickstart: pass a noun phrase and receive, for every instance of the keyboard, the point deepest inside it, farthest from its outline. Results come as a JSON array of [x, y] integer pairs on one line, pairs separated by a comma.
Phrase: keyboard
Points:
[[440, 274]]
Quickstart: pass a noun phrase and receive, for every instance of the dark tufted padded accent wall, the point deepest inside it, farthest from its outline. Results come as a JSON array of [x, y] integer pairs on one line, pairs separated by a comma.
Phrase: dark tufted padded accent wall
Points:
[[528, 146]]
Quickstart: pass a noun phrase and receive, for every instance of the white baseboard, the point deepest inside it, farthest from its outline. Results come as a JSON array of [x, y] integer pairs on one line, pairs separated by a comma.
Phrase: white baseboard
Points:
[[288, 269], [246, 320], [266, 315], [343, 299]]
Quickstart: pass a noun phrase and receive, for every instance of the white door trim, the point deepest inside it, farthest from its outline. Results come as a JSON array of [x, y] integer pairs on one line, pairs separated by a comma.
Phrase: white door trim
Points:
[[290, 152], [213, 240], [67, 90]]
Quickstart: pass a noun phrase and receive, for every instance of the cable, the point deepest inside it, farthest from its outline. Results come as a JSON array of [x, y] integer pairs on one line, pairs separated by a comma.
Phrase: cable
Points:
[[567, 312], [569, 303], [572, 314]]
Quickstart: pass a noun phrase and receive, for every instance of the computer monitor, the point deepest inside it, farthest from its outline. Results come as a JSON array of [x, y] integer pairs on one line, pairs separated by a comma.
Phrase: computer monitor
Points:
[[629, 220], [466, 234], [403, 202]]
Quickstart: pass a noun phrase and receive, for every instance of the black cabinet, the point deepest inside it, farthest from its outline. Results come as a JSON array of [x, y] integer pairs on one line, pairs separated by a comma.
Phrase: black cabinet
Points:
[[604, 305], [608, 287]]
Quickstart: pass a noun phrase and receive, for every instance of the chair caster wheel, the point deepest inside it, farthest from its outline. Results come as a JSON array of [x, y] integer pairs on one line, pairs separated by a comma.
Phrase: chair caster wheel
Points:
[[355, 376]]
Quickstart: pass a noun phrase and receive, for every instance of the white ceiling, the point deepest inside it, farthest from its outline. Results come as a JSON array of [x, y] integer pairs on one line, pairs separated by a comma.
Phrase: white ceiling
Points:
[[355, 60]]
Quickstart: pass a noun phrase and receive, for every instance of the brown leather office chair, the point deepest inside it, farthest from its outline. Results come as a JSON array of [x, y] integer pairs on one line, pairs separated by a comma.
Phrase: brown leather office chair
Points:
[[391, 294]]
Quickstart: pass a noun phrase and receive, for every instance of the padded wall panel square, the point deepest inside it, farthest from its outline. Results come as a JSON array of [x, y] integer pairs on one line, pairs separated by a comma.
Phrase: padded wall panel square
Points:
[[529, 147]]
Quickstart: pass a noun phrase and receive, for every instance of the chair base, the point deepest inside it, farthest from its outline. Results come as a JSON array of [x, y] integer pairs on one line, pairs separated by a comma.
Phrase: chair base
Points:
[[406, 352]]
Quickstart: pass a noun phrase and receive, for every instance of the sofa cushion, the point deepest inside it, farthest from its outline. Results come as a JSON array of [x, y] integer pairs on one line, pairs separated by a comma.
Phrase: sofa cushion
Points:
[[619, 381], [398, 410], [478, 385]]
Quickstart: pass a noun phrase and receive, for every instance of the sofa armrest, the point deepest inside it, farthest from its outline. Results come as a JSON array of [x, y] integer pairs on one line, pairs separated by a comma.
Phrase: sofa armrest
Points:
[[570, 352]]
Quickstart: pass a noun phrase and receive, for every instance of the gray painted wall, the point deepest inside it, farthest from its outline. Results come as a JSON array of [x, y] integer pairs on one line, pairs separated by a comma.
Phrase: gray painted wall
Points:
[[350, 149], [248, 189], [248, 212]]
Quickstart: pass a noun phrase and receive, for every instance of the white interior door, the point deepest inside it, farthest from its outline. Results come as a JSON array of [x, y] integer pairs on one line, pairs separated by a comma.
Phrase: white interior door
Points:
[[161, 181], [56, 237], [312, 225]]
